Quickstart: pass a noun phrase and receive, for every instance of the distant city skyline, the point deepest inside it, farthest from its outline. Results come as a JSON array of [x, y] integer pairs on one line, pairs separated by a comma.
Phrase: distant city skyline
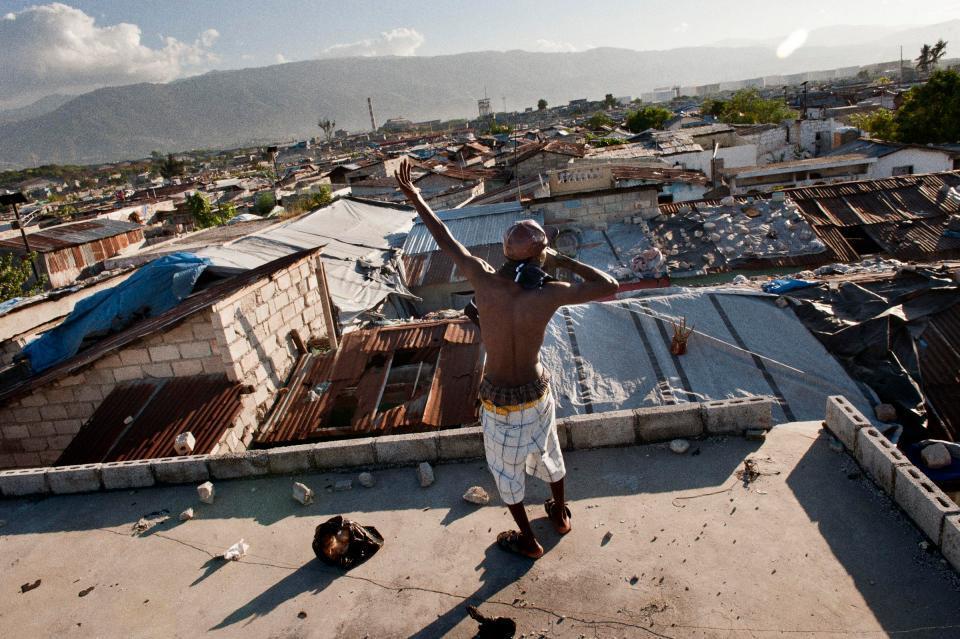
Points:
[[85, 44]]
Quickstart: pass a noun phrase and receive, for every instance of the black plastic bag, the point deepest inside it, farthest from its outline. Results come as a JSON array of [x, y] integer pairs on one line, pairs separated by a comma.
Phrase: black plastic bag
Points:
[[345, 543]]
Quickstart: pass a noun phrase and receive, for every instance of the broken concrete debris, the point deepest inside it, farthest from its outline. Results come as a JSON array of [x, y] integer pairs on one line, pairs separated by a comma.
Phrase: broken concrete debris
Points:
[[206, 492], [679, 446], [185, 443], [302, 493], [236, 551], [150, 520], [936, 456], [885, 412], [27, 587], [343, 484], [425, 474], [477, 495], [366, 480], [186, 515], [492, 627], [85, 591]]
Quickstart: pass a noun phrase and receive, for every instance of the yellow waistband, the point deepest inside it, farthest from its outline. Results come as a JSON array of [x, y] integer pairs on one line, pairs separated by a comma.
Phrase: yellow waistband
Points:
[[506, 410]]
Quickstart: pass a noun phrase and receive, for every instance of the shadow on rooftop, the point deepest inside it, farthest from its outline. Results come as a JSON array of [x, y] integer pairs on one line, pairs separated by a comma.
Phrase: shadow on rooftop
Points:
[[908, 591]]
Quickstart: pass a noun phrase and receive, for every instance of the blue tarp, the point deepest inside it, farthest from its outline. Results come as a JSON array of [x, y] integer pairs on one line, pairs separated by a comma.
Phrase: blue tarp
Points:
[[778, 287], [156, 287]]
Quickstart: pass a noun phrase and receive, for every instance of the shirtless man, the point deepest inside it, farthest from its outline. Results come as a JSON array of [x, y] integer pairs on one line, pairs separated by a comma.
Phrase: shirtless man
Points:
[[515, 304]]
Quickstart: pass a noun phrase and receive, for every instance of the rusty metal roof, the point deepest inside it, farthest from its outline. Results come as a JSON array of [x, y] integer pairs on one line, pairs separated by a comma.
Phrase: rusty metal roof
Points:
[[141, 420], [357, 375], [192, 304], [67, 235]]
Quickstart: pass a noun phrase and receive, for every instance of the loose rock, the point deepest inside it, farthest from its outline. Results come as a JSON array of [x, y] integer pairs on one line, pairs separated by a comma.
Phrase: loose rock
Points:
[[936, 456], [206, 492], [302, 493], [679, 446], [885, 412], [343, 484], [236, 551], [366, 480], [186, 515], [477, 495], [184, 443], [27, 587], [755, 434], [425, 474]]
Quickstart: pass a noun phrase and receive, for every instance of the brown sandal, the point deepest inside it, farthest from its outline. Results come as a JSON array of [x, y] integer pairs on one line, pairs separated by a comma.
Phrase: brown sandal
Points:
[[509, 540], [549, 506]]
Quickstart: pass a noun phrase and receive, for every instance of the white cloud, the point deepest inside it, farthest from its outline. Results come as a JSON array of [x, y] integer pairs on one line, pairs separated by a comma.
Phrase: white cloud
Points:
[[683, 27], [280, 58], [402, 41], [792, 42], [54, 47], [553, 46]]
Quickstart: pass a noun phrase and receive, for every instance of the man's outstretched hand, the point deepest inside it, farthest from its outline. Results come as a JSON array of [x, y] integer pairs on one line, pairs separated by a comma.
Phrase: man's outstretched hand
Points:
[[402, 175]]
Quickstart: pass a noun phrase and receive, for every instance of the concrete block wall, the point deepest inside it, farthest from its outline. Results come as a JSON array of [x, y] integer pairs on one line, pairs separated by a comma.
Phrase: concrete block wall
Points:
[[617, 428], [599, 209], [35, 429], [253, 330], [541, 164], [929, 507]]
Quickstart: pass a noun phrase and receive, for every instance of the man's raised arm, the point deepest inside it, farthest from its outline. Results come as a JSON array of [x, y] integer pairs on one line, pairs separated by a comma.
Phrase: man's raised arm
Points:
[[468, 265], [595, 285]]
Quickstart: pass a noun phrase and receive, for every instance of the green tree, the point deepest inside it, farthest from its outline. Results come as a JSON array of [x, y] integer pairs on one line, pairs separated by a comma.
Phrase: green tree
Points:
[[327, 126], [496, 129], [541, 104], [879, 124], [15, 272], [648, 117], [937, 52], [923, 61], [264, 203], [321, 198], [599, 120], [203, 214], [712, 107], [609, 101], [931, 113], [169, 167], [748, 107]]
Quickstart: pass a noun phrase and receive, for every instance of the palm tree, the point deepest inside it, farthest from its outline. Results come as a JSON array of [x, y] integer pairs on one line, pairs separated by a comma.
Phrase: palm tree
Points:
[[923, 62], [937, 51]]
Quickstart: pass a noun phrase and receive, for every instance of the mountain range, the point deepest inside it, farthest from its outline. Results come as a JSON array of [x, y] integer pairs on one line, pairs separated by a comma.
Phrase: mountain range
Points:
[[224, 109]]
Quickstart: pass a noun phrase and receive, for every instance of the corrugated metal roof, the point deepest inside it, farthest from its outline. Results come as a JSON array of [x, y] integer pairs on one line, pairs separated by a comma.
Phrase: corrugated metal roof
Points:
[[471, 226], [141, 420], [916, 239], [67, 235], [348, 385], [436, 267], [940, 369]]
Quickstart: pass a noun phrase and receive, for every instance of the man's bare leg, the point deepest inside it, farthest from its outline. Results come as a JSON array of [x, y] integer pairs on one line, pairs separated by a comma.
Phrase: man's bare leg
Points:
[[558, 515], [526, 542]]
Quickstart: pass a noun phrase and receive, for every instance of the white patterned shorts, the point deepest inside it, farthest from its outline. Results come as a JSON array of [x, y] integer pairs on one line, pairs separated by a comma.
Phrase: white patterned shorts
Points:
[[520, 439]]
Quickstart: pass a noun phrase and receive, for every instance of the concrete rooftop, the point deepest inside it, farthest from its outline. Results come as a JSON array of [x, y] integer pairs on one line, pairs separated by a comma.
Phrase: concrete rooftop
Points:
[[810, 548]]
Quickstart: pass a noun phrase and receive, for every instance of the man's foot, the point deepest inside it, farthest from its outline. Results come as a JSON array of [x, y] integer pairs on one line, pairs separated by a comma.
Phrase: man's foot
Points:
[[512, 541], [560, 516]]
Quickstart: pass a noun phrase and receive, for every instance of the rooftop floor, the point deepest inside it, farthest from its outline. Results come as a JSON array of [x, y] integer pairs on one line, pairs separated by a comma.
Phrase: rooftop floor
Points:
[[808, 548]]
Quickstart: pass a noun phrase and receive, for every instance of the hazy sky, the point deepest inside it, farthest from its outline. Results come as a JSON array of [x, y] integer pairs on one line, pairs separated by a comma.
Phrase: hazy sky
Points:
[[83, 44]]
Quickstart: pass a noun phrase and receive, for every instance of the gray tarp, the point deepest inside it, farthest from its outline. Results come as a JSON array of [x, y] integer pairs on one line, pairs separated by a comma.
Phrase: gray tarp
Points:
[[361, 243], [625, 361]]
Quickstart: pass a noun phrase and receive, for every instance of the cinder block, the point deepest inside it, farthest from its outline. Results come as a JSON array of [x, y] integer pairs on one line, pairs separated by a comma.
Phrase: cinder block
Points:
[[926, 504], [291, 460], [181, 470], [613, 428], [727, 416], [663, 423], [344, 454], [879, 457], [950, 540], [406, 449], [74, 479], [250, 463], [128, 474], [460, 443], [844, 421], [23, 481]]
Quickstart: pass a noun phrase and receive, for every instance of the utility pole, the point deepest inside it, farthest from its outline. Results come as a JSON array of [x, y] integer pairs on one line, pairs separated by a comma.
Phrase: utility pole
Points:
[[14, 199]]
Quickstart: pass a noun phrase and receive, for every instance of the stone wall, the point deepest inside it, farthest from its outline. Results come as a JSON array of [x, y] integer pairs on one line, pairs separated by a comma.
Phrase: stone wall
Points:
[[245, 337], [541, 164], [598, 208]]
